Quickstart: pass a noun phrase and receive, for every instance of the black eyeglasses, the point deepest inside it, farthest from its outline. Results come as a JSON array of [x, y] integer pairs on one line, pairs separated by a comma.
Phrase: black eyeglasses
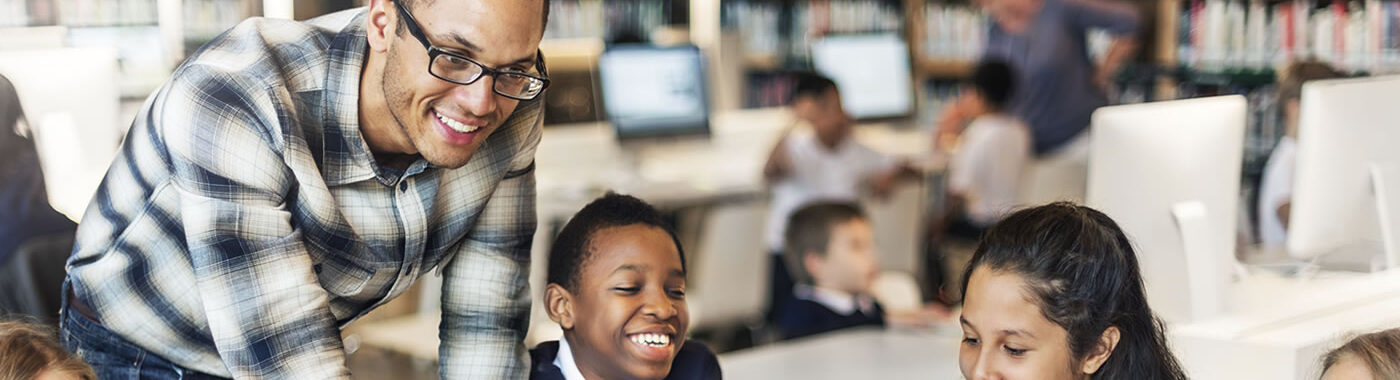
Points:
[[462, 70]]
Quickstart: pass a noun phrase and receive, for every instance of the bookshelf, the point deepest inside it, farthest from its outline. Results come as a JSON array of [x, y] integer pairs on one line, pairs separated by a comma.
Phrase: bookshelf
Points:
[[579, 31], [1221, 35]]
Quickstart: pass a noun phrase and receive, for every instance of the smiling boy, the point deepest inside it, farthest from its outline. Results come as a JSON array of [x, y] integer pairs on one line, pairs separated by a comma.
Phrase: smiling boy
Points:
[[617, 289]]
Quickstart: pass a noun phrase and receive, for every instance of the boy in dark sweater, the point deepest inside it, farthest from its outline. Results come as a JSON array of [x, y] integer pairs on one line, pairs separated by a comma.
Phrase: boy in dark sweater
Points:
[[617, 289], [831, 252]]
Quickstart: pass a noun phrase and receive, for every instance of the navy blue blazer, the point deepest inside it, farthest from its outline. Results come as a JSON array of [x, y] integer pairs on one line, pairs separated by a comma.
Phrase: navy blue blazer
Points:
[[694, 362], [803, 317]]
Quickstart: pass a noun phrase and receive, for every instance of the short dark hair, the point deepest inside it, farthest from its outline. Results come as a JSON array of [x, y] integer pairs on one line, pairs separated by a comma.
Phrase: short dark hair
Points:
[[573, 247], [995, 81], [1297, 73], [807, 84], [809, 231], [1080, 269], [544, 19]]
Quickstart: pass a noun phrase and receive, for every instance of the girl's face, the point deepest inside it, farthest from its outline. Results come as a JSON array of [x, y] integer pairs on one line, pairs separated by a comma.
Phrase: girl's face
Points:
[[1005, 335]]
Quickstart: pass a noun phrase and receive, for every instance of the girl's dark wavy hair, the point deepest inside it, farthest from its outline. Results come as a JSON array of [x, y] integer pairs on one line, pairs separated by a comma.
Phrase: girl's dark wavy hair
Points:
[[1082, 272]]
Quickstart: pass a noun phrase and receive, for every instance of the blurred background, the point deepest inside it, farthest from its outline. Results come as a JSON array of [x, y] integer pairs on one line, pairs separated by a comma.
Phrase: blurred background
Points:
[[83, 69]]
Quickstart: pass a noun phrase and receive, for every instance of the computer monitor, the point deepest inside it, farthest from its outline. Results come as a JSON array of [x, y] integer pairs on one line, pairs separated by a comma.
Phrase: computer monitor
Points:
[[1169, 174], [71, 100], [1348, 152], [650, 91], [872, 71]]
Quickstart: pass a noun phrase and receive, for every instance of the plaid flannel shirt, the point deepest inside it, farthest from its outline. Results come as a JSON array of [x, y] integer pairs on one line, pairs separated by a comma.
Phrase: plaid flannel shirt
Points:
[[245, 221]]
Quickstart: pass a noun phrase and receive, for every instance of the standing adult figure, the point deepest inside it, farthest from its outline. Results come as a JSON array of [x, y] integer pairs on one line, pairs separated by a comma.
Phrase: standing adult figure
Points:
[[1060, 86], [292, 176]]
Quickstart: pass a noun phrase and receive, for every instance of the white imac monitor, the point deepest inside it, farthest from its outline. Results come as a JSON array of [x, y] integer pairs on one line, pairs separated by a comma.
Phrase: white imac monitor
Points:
[[1169, 174], [1344, 190], [872, 72], [72, 102], [651, 91]]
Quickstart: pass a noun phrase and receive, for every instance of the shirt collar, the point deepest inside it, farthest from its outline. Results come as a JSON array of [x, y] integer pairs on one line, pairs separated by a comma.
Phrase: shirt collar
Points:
[[346, 157], [838, 301], [565, 361]]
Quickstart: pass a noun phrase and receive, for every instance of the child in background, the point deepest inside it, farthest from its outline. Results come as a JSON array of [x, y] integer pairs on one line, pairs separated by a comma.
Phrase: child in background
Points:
[[1276, 185], [617, 289], [985, 171], [826, 164], [832, 248], [30, 351]]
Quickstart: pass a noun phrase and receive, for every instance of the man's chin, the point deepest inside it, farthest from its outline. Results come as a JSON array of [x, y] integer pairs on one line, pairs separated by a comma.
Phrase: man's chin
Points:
[[448, 162]]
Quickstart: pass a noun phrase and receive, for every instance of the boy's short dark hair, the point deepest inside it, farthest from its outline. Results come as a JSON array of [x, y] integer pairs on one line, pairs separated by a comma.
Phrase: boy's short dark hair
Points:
[[995, 81], [809, 230], [1291, 84], [809, 84], [573, 247]]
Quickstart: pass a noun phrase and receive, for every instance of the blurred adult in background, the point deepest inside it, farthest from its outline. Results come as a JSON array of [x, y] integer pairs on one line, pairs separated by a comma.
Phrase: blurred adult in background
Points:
[[1374, 356], [292, 176], [1276, 185], [1045, 43], [34, 239]]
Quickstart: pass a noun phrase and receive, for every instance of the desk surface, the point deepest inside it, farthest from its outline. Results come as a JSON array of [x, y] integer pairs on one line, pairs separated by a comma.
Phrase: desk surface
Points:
[[855, 354], [577, 162], [1279, 328]]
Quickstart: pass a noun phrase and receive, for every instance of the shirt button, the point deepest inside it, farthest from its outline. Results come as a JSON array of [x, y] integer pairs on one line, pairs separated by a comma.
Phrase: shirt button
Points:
[[403, 186]]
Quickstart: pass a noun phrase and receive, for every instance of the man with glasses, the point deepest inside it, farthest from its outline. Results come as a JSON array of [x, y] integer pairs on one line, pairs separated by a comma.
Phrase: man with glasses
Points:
[[293, 176]]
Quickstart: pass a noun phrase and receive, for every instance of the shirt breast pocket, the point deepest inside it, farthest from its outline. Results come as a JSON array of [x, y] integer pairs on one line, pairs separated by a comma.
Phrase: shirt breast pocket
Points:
[[341, 274]]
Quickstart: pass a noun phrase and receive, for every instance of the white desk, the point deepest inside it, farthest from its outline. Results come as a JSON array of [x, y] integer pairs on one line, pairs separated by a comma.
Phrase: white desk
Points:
[[1279, 328], [846, 355], [577, 162]]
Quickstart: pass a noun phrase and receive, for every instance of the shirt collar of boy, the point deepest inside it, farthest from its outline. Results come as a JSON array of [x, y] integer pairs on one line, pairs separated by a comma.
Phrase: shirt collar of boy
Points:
[[838, 301], [565, 361]]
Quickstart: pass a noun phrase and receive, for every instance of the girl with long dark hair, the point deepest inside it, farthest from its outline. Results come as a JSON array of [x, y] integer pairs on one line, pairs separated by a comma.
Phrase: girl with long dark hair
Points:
[[1054, 292]]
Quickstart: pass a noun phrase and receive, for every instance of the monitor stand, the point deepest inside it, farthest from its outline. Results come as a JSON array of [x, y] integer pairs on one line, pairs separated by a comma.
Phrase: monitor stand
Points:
[[1386, 190], [1206, 269], [1369, 255]]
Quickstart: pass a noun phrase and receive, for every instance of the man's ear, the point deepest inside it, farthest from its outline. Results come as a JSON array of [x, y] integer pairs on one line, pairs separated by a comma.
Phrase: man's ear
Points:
[[380, 24], [1102, 350], [559, 304]]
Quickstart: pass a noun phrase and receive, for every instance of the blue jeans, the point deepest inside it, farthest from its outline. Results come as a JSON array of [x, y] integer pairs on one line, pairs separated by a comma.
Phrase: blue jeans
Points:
[[111, 356]]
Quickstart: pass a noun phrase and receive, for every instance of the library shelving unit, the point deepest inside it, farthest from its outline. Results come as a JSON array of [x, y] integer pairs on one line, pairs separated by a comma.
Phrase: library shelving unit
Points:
[[151, 36]]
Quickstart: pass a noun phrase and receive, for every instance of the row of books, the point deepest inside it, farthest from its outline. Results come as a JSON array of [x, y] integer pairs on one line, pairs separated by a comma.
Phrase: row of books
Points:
[[575, 19], [770, 28], [768, 89], [953, 32], [607, 19], [1354, 36], [205, 19], [77, 13], [756, 23]]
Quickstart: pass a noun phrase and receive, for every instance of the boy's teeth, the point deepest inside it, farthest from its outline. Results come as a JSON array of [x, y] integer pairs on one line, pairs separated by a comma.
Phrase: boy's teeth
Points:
[[653, 340], [456, 126]]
